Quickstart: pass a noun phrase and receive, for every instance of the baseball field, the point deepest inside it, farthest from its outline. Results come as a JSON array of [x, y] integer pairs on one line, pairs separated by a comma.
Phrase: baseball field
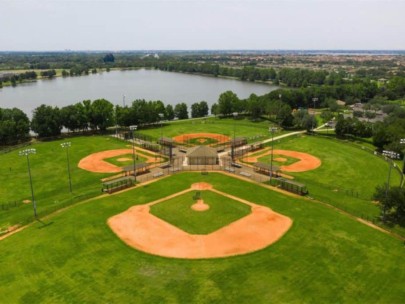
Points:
[[190, 237]]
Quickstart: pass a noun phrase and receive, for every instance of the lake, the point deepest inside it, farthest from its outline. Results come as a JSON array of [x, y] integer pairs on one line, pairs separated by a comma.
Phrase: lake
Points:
[[169, 87]]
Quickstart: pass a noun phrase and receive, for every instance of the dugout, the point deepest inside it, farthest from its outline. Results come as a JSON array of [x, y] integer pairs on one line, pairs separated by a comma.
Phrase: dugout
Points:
[[140, 168], [265, 169], [292, 186], [118, 184]]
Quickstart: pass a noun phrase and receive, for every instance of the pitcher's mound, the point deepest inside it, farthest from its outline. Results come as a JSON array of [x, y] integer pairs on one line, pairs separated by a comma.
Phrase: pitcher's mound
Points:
[[140, 229], [200, 206]]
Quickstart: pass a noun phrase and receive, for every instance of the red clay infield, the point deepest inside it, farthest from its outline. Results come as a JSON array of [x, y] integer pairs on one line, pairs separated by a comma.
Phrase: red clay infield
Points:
[[148, 233], [95, 162], [218, 137], [305, 161]]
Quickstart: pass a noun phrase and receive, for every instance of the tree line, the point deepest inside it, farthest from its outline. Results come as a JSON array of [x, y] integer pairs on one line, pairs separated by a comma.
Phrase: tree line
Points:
[[97, 115]]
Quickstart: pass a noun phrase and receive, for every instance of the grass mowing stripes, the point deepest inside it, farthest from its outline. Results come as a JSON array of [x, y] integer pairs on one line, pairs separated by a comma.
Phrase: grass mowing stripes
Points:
[[325, 257]]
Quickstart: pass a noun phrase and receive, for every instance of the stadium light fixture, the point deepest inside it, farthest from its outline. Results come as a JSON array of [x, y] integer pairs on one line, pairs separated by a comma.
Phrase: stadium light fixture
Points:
[[27, 153], [133, 129], [66, 146], [272, 130]]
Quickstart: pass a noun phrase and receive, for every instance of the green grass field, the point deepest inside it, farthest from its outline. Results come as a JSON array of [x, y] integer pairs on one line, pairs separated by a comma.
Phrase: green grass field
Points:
[[347, 177], [253, 131], [50, 177], [129, 160], [177, 211], [326, 257]]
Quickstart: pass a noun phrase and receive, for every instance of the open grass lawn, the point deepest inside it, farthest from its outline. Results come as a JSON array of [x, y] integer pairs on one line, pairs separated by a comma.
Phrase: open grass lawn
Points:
[[128, 160], [49, 176], [223, 211], [347, 177], [253, 131], [326, 257]]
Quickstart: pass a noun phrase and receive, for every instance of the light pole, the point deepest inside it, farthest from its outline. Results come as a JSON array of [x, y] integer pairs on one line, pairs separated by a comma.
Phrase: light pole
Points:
[[66, 146], [402, 142], [235, 114], [133, 128], [161, 116], [314, 99], [27, 153], [389, 155], [272, 130]]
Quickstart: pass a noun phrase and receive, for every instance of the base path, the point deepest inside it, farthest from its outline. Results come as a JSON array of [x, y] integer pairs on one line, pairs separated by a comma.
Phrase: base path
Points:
[[138, 228]]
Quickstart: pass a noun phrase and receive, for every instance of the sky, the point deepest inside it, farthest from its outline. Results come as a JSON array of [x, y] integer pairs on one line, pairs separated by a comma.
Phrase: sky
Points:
[[49, 25]]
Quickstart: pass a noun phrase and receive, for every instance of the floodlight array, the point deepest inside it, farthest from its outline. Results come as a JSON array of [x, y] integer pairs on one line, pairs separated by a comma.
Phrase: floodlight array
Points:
[[27, 152], [391, 154]]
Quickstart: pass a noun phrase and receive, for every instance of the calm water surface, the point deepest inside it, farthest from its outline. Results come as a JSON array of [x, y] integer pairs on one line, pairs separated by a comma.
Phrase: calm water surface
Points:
[[170, 88]]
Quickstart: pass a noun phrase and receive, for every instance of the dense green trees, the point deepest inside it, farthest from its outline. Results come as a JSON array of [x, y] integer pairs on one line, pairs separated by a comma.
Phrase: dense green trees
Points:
[[14, 126], [199, 109], [180, 111], [101, 114], [352, 127], [392, 203], [46, 121], [228, 103]]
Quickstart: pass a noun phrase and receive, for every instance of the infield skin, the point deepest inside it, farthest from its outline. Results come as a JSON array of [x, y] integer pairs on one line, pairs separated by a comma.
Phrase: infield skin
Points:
[[138, 228]]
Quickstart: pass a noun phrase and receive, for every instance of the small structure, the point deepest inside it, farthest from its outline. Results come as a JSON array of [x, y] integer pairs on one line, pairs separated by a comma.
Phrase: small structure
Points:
[[166, 141], [264, 168], [292, 186], [238, 141], [118, 184], [139, 169], [202, 155]]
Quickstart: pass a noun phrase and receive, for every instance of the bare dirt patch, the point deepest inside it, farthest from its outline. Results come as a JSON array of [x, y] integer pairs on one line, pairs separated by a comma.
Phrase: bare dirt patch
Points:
[[200, 206], [280, 159], [27, 201], [138, 228]]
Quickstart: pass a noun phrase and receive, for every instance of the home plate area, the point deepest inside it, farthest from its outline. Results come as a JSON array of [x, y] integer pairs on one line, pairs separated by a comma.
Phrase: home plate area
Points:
[[199, 223]]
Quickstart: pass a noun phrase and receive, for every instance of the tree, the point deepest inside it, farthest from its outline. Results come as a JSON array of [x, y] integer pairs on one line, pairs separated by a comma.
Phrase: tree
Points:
[[392, 203], [215, 109], [46, 121], [227, 102], [195, 110], [108, 58], [169, 112], [180, 111], [199, 109], [203, 108], [284, 116], [254, 107], [326, 115], [14, 126], [101, 115]]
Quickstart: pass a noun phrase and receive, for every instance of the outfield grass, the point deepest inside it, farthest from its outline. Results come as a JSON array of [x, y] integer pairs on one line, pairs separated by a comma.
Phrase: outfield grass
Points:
[[347, 177], [222, 211], [253, 131], [49, 176], [325, 257]]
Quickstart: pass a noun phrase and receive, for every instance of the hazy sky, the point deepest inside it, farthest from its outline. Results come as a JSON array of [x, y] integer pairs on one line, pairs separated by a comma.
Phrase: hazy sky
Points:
[[201, 24]]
